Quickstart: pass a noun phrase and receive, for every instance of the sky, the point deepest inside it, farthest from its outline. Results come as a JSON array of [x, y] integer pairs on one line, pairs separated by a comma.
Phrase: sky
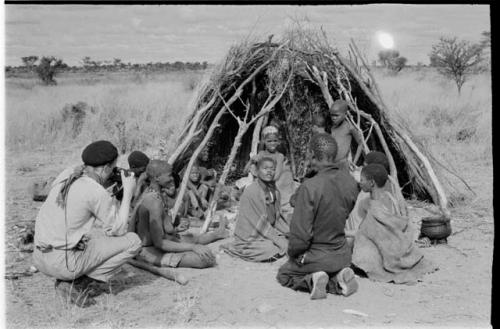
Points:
[[167, 33]]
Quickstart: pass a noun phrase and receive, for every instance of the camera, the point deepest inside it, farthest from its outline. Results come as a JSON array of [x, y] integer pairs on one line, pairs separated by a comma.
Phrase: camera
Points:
[[116, 179]]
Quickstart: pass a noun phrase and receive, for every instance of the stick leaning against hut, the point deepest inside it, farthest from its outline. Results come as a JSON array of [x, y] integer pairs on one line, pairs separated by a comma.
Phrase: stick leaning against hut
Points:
[[289, 81]]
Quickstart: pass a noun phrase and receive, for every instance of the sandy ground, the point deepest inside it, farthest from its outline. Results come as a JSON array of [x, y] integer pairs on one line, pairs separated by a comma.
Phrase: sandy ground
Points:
[[247, 294]]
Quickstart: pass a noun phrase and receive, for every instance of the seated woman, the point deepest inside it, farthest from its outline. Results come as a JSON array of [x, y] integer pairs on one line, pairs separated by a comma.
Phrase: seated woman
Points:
[[162, 245], [260, 230], [383, 245], [359, 211]]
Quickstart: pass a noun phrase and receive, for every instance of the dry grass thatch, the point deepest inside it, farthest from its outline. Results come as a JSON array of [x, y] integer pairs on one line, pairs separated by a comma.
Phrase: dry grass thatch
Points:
[[301, 75]]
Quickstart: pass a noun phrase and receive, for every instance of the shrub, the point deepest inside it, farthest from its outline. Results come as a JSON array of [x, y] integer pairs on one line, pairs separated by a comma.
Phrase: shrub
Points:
[[76, 114], [48, 68]]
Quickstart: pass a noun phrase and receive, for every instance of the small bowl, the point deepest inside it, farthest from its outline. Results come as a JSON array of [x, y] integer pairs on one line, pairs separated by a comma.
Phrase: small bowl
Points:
[[435, 228]]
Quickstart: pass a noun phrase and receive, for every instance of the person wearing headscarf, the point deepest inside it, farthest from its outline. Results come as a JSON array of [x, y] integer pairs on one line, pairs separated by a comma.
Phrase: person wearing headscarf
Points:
[[67, 246]]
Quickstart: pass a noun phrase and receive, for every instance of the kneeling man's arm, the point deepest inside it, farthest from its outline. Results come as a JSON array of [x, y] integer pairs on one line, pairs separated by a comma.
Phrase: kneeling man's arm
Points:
[[301, 227]]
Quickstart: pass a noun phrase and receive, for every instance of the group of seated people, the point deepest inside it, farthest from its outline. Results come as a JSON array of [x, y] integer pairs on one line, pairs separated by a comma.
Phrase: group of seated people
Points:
[[326, 226]]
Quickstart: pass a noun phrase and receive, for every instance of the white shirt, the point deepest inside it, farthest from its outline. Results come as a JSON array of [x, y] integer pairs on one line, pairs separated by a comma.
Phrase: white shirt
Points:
[[87, 202]]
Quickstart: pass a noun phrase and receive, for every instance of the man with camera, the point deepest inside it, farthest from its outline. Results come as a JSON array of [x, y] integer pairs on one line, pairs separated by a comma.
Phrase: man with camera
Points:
[[67, 247]]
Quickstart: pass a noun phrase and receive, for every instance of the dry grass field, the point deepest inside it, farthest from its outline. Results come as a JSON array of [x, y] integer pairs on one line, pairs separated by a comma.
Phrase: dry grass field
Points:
[[136, 111]]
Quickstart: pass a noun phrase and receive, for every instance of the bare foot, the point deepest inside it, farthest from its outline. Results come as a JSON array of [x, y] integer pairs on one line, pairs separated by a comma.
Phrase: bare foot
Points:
[[221, 230]]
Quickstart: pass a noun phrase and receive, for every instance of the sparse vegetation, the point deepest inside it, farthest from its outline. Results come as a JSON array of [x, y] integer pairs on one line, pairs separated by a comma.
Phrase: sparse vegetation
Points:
[[456, 59], [48, 68], [391, 60]]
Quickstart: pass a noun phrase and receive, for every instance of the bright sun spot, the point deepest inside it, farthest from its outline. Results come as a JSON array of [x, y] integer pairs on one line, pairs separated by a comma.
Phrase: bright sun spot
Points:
[[385, 40]]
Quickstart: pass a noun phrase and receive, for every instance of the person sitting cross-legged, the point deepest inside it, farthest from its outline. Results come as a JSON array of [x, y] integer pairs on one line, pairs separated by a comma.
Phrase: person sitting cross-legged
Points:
[[319, 256], [162, 245]]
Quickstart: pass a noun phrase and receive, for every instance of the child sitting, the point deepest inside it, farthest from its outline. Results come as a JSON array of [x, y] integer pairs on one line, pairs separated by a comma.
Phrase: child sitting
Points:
[[343, 132], [197, 193]]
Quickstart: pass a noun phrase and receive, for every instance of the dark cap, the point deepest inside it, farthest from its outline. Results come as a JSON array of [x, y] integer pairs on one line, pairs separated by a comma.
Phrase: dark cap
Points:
[[137, 159], [99, 153]]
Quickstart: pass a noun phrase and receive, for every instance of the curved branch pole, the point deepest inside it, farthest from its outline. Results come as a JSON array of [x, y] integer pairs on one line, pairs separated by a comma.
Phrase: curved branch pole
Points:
[[443, 201], [194, 156], [192, 131], [256, 135], [378, 131]]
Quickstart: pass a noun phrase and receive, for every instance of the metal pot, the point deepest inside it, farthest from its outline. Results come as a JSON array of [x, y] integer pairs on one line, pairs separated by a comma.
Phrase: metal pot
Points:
[[435, 228]]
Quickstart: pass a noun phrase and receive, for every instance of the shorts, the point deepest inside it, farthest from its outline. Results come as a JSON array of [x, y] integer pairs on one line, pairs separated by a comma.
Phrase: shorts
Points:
[[156, 257]]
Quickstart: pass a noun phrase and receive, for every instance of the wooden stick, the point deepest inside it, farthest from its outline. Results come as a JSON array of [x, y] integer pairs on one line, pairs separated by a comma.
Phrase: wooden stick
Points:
[[378, 131], [163, 272], [194, 157], [192, 131], [442, 200], [256, 136], [291, 151], [374, 82], [213, 200]]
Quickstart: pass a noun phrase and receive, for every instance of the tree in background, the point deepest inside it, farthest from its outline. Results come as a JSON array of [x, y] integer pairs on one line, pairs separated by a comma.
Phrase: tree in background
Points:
[[29, 61], [48, 68], [390, 59], [456, 59]]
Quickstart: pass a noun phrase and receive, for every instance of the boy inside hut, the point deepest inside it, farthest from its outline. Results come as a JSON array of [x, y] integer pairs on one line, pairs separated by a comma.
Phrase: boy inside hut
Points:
[[319, 256], [383, 245], [162, 245], [260, 232], [344, 132]]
